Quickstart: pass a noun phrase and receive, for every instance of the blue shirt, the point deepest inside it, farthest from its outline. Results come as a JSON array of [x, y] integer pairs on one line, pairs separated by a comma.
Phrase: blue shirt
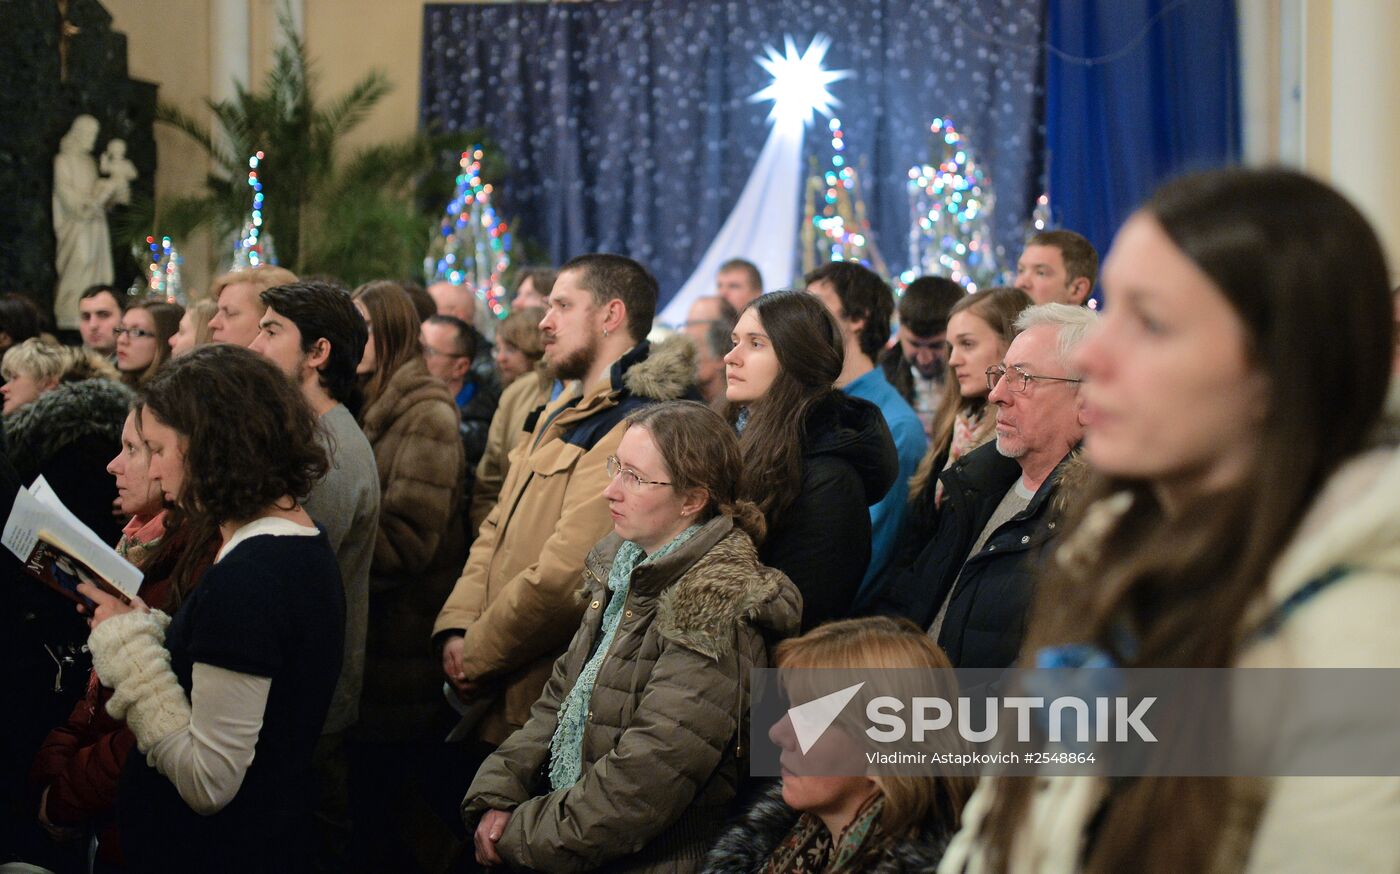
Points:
[[910, 442]]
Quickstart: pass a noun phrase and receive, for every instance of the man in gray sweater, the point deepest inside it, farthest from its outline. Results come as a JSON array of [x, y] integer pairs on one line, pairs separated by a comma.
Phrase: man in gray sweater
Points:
[[314, 334]]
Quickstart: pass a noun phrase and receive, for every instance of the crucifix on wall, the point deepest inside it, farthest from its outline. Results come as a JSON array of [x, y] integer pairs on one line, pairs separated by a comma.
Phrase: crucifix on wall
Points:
[[66, 31]]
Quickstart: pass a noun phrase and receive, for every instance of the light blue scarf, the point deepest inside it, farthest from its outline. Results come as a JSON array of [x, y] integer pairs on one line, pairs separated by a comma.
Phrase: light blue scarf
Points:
[[566, 746]]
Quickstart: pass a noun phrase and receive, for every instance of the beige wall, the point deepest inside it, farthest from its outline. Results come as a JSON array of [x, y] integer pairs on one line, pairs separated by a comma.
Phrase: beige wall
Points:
[[168, 43]]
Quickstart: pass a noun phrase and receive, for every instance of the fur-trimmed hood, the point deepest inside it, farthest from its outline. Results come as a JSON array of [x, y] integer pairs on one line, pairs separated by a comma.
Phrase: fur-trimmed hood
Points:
[[705, 587], [58, 418], [745, 847], [665, 372]]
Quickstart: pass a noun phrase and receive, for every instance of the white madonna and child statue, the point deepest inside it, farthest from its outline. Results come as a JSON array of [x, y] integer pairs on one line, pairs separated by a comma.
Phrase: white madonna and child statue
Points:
[[81, 199]]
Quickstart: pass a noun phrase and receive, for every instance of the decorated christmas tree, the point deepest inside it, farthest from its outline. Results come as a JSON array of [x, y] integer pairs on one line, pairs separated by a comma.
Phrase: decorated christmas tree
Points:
[[254, 244], [951, 201], [472, 244], [834, 222], [162, 273]]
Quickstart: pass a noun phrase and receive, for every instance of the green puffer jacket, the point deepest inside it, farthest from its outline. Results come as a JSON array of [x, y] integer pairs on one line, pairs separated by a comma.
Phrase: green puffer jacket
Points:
[[666, 742]]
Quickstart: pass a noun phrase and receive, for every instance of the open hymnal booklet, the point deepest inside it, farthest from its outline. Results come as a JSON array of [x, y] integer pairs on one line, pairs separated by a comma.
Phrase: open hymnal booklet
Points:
[[60, 551]]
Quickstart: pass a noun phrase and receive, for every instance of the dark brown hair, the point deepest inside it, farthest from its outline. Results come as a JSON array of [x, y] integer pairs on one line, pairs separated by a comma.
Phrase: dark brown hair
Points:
[[810, 352], [166, 317], [251, 439], [998, 307], [701, 452], [1081, 261], [927, 303], [863, 295], [615, 277], [1272, 242], [394, 328]]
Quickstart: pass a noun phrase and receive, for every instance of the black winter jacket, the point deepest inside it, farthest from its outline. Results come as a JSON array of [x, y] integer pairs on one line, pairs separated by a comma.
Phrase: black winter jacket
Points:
[[822, 541], [987, 616], [746, 846]]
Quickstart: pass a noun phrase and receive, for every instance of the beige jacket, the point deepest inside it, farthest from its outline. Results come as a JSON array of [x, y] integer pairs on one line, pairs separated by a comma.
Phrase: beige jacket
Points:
[[1281, 825], [516, 599], [520, 398]]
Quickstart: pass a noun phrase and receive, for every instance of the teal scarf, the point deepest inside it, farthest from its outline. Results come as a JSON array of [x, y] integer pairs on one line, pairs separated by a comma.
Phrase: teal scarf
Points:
[[566, 746]]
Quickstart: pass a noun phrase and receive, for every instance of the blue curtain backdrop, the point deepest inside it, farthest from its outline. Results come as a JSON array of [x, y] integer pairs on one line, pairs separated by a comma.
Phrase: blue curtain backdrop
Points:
[[627, 127], [1162, 99]]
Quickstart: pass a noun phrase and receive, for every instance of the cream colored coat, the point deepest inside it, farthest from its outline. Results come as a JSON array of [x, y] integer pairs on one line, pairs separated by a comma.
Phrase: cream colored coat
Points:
[[1280, 825]]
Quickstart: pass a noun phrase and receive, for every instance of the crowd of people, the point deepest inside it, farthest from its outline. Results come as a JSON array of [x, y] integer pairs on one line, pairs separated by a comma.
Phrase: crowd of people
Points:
[[428, 591]]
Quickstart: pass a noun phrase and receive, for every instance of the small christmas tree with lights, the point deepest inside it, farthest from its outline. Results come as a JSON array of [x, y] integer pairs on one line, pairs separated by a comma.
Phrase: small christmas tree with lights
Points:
[[835, 226], [471, 246], [951, 201]]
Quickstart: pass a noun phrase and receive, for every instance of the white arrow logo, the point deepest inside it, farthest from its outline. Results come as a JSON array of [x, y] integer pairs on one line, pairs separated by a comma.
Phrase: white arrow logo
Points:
[[811, 720]]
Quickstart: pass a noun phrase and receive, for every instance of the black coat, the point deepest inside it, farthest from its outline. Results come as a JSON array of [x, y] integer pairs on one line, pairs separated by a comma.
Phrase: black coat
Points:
[[747, 844], [822, 541], [987, 616]]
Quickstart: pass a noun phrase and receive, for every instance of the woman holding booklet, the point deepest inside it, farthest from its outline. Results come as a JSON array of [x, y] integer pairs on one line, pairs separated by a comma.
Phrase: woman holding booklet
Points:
[[251, 657], [79, 764]]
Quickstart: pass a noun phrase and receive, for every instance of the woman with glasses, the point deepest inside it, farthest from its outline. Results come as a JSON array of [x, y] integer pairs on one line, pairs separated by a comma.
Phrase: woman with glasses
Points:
[[1244, 515], [411, 421], [143, 339], [632, 755], [814, 490], [980, 328]]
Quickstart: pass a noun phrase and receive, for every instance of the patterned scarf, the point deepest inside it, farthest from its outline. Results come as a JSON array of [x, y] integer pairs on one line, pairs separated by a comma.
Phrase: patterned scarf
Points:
[[808, 848], [141, 537], [971, 429], [566, 746]]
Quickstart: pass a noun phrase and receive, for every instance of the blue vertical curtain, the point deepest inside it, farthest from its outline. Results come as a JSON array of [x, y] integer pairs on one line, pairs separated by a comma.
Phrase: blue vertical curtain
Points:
[[626, 126], [1136, 91]]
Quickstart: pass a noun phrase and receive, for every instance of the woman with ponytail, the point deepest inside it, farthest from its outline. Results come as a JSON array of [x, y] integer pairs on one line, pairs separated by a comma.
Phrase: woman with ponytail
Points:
[[634, 752]]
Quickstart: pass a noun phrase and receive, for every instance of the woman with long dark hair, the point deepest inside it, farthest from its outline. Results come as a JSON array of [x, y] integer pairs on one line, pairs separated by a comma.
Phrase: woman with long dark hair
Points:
[[813, 490], [1241, 518], [250, 659]]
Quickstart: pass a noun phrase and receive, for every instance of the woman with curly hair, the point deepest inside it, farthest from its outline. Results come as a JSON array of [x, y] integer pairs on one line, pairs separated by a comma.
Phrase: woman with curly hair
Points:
[[250, 660]]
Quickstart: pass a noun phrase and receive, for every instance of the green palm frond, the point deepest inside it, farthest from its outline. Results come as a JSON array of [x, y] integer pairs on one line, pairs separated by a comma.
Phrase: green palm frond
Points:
[[357, 216]]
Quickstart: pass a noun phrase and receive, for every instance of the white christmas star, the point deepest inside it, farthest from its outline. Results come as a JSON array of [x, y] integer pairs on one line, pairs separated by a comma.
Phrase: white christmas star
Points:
[[799, 82]]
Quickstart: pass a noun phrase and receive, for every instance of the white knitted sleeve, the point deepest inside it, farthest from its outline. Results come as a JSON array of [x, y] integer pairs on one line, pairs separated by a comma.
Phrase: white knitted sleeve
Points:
[[205, 746]]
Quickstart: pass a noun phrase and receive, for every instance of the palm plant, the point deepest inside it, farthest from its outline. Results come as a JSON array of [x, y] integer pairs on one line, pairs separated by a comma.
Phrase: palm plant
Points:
[[363, 216]]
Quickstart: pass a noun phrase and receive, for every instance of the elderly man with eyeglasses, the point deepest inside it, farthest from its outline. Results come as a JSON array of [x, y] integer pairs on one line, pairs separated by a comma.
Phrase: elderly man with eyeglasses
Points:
[[971, 585]]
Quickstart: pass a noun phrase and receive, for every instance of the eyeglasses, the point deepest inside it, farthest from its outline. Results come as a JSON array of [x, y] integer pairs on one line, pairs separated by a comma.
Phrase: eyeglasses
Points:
[[630, 480], [135, 333], [1020, 380]]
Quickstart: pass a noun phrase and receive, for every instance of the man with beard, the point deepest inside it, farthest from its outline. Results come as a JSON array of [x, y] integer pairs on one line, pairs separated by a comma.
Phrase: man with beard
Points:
[[314, 335], [917, 364], [516, 606]]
